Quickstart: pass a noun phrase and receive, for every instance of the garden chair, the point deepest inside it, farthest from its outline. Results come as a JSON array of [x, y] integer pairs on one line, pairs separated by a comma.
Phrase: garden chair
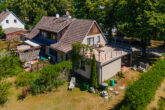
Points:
[[72, 83]]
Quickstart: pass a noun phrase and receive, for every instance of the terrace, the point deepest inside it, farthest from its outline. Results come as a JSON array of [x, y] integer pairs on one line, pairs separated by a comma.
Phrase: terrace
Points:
[[109, 53]]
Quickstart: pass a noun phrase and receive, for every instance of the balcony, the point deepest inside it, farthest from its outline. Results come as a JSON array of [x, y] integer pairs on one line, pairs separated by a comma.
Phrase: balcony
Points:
[[44, 41]]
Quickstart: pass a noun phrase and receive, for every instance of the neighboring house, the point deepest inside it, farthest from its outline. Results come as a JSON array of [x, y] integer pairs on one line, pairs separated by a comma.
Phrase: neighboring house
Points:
[[12, 25], [56, 36]]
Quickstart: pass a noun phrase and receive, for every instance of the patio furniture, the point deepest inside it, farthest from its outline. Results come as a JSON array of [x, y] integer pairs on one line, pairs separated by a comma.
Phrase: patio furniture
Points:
[[72, 83], [134, 67], [143, 67]]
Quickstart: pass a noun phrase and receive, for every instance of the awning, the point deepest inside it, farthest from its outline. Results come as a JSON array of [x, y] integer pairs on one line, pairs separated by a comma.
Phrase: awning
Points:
[[31, 43]]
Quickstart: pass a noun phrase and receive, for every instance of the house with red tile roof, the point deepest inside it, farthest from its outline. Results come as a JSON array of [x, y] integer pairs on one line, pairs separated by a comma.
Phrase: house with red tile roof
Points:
[[56, 35], [11, 25]]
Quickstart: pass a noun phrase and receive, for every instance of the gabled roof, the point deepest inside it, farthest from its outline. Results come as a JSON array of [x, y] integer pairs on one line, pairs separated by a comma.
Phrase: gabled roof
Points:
[[54, 24], [76, 32], [5, 13]]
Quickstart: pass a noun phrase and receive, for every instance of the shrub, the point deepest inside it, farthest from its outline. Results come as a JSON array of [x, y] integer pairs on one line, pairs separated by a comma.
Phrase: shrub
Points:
[[25, 79], [4, 87], [37, 87], [25, 92], [141, 93], [161, 103], [49, 77], [9, 66]]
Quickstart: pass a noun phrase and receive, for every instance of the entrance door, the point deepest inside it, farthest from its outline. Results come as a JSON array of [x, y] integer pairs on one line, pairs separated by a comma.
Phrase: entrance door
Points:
[[53, 54]]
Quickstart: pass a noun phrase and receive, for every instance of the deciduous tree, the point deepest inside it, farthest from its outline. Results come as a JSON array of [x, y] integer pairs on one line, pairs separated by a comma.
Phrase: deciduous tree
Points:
[[140, 19]]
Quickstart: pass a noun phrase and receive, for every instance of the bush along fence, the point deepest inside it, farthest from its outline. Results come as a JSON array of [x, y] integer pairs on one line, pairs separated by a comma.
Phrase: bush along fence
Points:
[[142, 92]]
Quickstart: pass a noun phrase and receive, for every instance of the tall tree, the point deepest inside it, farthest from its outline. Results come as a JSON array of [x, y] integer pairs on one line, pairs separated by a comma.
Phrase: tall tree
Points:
[[2, 5], [162, 37], [91, 9], [59, 6], [94, 77], [111, 19], [140, 19]]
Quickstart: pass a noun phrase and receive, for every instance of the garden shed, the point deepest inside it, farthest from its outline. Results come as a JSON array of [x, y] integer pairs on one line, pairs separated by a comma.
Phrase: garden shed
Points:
[[28, 51]]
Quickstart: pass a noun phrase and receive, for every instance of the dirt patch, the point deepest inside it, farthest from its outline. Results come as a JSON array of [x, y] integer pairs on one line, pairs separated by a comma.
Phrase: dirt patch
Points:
[[159, 93], [129, 77]]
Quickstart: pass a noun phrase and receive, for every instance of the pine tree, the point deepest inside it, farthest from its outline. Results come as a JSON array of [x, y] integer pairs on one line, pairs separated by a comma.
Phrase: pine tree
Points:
[[93, 79]]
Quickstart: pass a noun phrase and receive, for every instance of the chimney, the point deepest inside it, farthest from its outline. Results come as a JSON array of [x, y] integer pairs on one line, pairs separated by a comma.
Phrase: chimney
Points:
[[57, 15], [68, 14]]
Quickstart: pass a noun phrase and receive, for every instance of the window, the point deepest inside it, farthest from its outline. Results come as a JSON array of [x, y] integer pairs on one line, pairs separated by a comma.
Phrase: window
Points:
[[15, 21], [7, 21], [44, 34], [90, 41], [98, 39], [82, 65], [53, 37]]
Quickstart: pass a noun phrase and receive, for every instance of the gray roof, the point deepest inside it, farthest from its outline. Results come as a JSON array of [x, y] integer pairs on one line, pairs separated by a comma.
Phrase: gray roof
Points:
[[76, 31], [12, 30], [55, 24]]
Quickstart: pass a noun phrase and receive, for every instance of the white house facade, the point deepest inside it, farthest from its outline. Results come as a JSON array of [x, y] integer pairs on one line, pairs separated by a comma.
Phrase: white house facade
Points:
[[11, 21]]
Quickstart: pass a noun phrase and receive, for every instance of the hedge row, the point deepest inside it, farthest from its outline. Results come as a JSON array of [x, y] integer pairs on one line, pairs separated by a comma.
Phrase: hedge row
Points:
[[142, 92]]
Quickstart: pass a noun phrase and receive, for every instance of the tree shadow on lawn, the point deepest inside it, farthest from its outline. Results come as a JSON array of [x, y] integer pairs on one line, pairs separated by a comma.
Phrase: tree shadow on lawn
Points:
[[118, 106], [137, 58]]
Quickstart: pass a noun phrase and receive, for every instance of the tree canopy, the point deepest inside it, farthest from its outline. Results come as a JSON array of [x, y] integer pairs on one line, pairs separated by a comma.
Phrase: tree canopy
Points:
[[142, 19]]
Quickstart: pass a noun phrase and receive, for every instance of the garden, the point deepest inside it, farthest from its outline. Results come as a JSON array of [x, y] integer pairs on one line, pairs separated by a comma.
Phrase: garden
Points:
[[44, 80]]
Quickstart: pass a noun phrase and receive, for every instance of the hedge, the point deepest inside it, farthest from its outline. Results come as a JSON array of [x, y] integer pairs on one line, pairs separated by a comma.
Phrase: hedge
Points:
[[50, 77], [142, 92]]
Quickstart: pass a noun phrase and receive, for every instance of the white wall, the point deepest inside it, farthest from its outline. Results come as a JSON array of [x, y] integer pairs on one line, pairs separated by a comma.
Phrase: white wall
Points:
[[11, 23], [86, 73], [102, 40], [111, 69]]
